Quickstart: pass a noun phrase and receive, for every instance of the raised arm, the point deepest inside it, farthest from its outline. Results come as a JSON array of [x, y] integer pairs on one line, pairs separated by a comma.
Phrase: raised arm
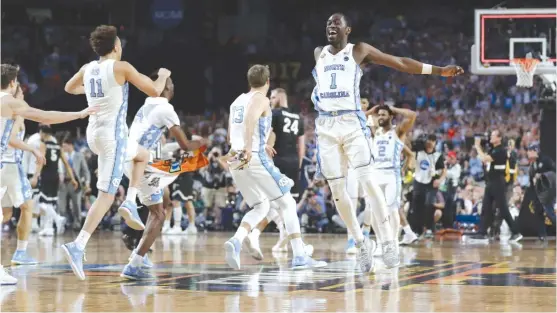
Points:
[[21, 108], [409, 117], [257, 105], [74, 86], [368, 53], [142, 82]]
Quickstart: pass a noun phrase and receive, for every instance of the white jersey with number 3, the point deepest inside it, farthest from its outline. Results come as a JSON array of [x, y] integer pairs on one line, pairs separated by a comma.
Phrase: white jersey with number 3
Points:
[[238, 113], [338, 81], [386, 149], [102, 89]]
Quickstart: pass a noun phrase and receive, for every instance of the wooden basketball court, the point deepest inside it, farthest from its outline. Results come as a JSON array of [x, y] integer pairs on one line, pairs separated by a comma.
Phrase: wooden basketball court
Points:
[[192, 276]]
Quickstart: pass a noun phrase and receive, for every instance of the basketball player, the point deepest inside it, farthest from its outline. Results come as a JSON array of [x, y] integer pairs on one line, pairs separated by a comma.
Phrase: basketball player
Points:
[[342, 136], [259, 181], [387, 149], [287, 138], [12, 108], [104, 83], [152, 119], [18, 187], [53, 168]]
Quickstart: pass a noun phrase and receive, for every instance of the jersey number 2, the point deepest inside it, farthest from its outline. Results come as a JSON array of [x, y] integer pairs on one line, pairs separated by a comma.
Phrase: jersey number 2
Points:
[[333, 81], [382, 151], [290, 126], [99, 86]]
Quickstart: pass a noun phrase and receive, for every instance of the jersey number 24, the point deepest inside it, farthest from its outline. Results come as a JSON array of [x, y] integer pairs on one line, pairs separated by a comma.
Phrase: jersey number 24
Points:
[[290, 126]]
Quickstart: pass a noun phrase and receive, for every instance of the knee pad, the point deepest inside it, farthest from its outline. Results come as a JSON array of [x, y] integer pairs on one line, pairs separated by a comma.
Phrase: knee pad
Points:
[[257, 214]]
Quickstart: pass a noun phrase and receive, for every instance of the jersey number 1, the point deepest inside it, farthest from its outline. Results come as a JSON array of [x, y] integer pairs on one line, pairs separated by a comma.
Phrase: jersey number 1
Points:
[[98, 84], [333, 81]]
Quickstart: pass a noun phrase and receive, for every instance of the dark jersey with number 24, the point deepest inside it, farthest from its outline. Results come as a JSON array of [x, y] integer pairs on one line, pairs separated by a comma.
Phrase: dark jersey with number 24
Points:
[[287, 128]]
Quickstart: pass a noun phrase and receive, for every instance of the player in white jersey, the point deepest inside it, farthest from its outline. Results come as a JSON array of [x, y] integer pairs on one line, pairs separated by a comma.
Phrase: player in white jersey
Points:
[[387, 149], [152, 119], [105, 84], [30, 168], [259, 181], [340, 127], [12, 108]]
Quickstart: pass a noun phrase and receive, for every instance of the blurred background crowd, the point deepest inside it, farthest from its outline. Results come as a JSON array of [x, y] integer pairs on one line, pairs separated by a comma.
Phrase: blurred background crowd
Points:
[[209, 53]]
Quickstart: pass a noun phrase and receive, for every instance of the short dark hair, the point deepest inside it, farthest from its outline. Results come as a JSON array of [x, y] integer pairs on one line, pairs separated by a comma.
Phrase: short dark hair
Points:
[[44, 128], [9, 73], [103, 39], [258, 75], [431, 137], [346, 18], [386, 108]]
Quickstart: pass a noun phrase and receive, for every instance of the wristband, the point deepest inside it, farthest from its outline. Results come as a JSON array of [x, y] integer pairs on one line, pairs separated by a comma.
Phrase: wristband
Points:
[[426, 69]]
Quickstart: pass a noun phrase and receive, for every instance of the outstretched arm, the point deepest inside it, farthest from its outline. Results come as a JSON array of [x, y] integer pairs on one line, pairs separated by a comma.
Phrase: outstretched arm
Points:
[[74, 86], [185, 144], [407, 65], [407, 123], [21, 108]]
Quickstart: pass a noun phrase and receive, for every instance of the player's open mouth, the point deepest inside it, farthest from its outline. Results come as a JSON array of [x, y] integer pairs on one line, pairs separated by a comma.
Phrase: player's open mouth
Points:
[[332, 32]]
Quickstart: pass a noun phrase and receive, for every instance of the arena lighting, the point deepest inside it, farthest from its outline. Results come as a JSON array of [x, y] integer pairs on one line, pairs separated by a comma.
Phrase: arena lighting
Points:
[[505, 16]]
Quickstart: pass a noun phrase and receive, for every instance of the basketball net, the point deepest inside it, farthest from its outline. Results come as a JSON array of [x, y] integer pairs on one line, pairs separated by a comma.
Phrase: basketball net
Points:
[[525, 69]]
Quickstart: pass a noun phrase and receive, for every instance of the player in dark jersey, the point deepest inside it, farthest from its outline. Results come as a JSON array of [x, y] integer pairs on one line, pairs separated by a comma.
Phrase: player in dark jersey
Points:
[[288, 133], [50, 180]]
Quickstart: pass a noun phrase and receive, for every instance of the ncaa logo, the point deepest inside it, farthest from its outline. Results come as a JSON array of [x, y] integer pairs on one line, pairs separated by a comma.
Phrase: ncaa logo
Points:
[[174, 167], [116, 182], [284, 181], [424, 165]]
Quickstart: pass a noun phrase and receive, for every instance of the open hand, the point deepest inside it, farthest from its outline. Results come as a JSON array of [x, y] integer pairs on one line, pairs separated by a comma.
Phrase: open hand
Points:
[[89, 111], [40, 159], [270, 151], [451, 70]]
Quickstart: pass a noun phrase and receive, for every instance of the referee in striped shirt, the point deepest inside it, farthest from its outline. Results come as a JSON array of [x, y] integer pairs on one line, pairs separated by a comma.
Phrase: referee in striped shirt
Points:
[[494, 194]]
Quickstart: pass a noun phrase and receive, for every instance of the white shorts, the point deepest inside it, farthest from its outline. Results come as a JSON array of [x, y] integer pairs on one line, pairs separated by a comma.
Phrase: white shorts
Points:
[[110, 144], [261, 180], [18, 188], [152, 184], [353, 186], [390, 182], [342, 140]]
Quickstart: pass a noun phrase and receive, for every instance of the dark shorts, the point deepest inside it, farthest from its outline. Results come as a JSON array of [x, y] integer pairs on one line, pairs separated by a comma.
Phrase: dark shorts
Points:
[[291, 168], [182, 188], [48, 191]]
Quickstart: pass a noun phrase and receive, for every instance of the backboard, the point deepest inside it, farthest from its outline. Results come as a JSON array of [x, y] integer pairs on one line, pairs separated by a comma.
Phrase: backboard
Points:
[[504, 34]]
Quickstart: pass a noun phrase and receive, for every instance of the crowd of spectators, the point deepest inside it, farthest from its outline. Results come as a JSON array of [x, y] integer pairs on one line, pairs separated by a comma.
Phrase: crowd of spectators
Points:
[[455, 109]]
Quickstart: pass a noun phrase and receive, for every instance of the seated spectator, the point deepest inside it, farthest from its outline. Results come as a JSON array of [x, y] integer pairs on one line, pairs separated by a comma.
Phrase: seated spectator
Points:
[[312, 210]]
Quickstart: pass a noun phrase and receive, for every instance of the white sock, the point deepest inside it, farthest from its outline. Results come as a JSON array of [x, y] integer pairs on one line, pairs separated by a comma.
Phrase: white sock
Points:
[[407, 229], [132, 194], [82, 239], [22, 245], [256, 232], [166, 224], [241, 234], [137, 260], [177, 214], [298, 247]]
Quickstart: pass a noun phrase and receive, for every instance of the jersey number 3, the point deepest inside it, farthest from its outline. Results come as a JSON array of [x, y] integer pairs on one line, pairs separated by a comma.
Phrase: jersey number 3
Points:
[[290, 126], [96, 83], [238, 115]]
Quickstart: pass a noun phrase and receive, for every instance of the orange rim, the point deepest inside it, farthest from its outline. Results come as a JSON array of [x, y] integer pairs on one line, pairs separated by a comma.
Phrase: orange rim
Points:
[[526, 64]]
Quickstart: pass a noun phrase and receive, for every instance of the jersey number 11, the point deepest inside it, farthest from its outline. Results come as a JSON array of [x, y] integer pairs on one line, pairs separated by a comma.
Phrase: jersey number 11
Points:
[[96, 83]]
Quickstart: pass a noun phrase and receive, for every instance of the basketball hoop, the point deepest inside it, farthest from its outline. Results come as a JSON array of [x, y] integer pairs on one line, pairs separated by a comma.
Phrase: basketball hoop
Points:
[[525, 69]]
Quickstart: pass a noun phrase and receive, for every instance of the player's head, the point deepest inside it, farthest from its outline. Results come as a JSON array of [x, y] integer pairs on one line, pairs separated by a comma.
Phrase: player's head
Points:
[[365, 104], [45, 131], [168, 91], [104, 41], [258, 77], [338, 28], [430, 143], [9, 78], [533, 151], [279, 98], [67, 144], [384, 116], [495, 138]]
